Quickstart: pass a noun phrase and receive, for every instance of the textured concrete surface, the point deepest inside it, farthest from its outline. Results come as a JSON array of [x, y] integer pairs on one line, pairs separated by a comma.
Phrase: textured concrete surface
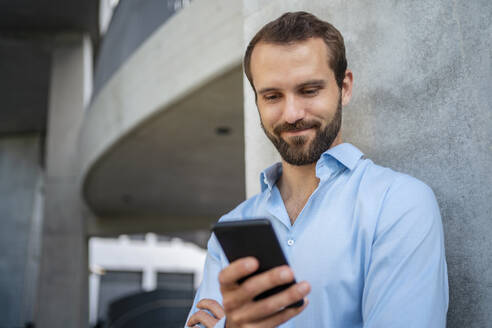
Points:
[[421, 105], [63, 276], [19, 154]]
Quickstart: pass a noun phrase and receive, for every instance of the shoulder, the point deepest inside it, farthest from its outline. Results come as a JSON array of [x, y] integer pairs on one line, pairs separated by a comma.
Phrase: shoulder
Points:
[[413, 198], [398, 199], [403, 190], [408, 206], [391, 183]]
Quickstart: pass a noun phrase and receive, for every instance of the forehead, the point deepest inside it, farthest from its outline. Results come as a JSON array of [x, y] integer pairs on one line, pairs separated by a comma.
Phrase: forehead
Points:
[[279, 65]]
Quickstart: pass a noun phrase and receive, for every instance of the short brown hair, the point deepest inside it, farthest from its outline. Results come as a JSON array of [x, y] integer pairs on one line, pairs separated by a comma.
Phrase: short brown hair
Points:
[[300, 26]]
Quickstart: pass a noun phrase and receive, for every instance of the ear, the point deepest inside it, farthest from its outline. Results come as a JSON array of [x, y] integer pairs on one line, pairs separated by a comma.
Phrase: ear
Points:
[[347, 87]]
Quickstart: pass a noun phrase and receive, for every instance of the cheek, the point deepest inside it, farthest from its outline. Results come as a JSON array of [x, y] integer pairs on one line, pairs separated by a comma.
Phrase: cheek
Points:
[[324, 107], [270, 116]]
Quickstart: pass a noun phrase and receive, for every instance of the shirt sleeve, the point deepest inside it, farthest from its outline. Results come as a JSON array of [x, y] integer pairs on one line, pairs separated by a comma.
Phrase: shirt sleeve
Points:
[[406, 283], [209, 287]]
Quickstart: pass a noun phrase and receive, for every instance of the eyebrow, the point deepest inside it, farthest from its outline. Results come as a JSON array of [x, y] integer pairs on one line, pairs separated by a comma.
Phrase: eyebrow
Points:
[[265, 90], [309, 83], [312, 83]]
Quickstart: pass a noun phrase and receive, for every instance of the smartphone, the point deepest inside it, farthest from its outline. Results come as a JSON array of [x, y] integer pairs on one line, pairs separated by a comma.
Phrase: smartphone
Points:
[[256, 238]]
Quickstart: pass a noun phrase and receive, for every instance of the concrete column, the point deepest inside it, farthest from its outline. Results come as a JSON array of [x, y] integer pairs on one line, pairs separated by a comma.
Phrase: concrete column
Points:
[[63, 281]]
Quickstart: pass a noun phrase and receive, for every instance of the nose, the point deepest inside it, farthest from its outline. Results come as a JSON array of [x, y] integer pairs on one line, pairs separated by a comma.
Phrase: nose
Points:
[[293, 109]]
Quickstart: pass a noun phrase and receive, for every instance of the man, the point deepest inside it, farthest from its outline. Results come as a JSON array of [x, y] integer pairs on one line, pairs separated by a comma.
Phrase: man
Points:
[[365, 242]]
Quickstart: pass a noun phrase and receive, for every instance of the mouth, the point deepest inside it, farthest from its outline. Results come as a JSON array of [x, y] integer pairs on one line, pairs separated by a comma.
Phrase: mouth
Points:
[[301, 129], [297, 132]]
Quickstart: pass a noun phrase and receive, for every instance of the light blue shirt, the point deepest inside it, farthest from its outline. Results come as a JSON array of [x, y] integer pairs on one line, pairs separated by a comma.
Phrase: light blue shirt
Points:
[[369, 241]]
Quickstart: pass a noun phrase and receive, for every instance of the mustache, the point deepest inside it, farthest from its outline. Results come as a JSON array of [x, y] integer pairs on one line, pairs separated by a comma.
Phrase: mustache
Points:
[[299, 125]]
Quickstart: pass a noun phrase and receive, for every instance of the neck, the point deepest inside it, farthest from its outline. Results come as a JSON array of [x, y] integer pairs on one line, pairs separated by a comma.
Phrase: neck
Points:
[[297, 183]]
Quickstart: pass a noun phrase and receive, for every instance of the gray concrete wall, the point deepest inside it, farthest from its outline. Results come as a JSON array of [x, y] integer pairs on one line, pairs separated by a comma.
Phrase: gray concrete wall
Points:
[[20, 174], [421, 105]]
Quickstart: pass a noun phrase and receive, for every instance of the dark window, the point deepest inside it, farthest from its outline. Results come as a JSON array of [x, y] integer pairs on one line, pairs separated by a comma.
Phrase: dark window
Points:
[[175, 281], [116, 284]]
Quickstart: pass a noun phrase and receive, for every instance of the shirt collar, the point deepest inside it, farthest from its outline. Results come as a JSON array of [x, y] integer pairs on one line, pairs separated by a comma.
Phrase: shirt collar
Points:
[[270, 175], [345, 154]]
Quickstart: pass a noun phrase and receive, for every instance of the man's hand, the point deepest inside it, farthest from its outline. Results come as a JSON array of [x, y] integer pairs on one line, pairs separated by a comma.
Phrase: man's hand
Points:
[[205, 318], [242, 311]]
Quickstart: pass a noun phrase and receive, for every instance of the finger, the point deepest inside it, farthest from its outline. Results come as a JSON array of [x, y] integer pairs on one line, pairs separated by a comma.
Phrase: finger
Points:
[[213, 306], [255, 286], [202, 317], [282, 316], [238, 269], [271, 305], [267, 280]]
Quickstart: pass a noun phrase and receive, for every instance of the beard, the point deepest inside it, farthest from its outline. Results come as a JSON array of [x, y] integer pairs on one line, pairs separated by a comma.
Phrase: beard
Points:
[[298, 152]]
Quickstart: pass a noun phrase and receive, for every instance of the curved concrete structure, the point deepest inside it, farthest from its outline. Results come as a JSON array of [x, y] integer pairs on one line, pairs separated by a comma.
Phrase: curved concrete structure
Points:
[[154, 140]]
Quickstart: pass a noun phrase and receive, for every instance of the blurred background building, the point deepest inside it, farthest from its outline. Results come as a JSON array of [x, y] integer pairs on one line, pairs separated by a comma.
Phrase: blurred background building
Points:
[[127, 269], [120, 118]]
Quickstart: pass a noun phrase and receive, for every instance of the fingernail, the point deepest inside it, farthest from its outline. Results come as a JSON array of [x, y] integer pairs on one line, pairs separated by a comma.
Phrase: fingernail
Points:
[[285, 274], [249, 264], [303, 287]]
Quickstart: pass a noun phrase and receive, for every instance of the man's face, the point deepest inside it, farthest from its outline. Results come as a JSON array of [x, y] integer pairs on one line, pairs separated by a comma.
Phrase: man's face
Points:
[[298, 98]]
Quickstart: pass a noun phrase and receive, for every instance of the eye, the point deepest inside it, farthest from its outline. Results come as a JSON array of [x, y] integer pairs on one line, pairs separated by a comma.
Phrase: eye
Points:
[[310, 91], [271, 96]]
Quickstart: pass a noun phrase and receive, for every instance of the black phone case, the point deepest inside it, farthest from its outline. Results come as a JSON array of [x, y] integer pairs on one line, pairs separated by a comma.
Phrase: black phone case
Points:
[[256, 238]]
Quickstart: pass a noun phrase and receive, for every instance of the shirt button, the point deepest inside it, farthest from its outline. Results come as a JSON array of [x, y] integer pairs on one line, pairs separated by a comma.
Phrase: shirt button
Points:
[[290, 242]]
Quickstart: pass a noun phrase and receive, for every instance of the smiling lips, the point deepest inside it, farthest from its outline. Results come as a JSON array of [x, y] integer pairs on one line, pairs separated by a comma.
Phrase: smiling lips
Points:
[[296, 129], [297, 126], [297, 132]]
